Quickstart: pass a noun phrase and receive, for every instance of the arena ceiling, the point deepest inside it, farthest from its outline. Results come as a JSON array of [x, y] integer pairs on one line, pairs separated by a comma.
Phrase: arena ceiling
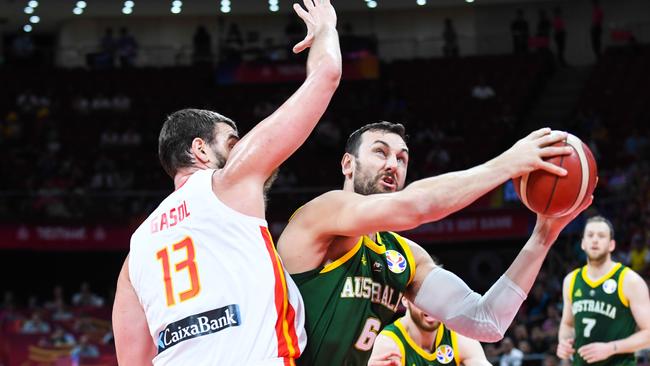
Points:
[[52, 12]]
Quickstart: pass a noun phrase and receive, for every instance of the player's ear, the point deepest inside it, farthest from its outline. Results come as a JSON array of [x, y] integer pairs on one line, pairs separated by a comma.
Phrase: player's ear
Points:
[[347, 165], [199, 150], [612, 245]]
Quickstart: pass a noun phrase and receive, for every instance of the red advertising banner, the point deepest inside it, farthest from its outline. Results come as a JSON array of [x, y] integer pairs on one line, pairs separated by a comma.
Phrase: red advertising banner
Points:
[[366, 67], [472, 225], [61, 237], [478, 225]]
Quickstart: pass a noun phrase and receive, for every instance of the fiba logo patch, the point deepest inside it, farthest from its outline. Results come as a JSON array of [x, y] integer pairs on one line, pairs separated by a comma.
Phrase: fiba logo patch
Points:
[[609, 286], [396, 261], [444, 354]]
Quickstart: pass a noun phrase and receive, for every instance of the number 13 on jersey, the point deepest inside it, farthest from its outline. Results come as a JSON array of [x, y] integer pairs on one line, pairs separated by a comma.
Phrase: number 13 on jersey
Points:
[[188, 264]]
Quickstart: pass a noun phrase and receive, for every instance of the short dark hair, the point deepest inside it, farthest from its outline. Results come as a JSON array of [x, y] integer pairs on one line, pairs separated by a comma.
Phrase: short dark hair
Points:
[[354, 141], [178, 132], [599, 218]]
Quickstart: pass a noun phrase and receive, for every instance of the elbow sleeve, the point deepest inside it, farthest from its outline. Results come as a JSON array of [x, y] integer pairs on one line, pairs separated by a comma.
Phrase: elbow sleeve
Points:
[[446, 297]]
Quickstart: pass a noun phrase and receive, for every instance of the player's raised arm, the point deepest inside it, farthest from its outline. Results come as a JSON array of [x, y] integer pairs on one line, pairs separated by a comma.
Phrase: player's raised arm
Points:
[[274, 139], [133, 342], [486, 318], [350, 214]]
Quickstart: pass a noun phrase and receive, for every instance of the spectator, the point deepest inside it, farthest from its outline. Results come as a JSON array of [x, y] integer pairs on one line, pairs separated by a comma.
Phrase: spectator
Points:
[[639, 256], [35, 325], [85, 349], [127, 49], [510, 356], [202, 47], [597, 16], [108, 47], [60, 338], [450, 47], [520, 33], [543, 31], [482, 91], [60, 313], [86, 298], [559, 33], [58, 298]]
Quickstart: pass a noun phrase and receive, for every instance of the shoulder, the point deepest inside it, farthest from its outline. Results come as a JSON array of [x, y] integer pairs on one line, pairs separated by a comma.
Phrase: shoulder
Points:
[[320, 206], [633, 280]]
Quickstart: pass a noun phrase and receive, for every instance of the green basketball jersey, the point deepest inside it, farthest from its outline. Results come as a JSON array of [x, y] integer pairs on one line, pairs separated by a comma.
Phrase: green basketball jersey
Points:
[[348, 301], [445, 346], [601, 312]]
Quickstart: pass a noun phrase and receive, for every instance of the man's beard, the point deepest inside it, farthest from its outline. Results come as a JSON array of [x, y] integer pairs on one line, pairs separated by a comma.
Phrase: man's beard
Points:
[[221, 160], [599, 258], [421, 323], [366, 185]]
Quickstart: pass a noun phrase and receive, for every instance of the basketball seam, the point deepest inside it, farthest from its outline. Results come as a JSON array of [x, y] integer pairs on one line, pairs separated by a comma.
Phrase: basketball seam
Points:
[[584, 170], [550, 197]]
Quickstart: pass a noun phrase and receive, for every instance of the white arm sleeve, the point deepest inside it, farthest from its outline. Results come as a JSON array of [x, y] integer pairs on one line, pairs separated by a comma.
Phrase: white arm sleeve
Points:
[[445, 296]]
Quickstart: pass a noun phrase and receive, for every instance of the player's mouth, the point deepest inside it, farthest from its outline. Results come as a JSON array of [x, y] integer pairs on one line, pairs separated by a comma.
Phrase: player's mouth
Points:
[[389, 182]]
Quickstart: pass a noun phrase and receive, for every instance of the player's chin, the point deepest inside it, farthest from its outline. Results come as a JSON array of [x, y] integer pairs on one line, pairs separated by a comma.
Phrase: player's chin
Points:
[[386, 188]]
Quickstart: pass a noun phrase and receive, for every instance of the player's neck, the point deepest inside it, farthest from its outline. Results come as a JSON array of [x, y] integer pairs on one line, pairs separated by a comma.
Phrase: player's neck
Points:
[[183, 175], [422, 338], [598, 268]]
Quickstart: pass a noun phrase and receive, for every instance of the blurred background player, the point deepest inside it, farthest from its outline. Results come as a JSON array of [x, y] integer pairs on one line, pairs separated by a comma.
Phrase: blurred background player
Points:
[[417, 339], [182, 295], [606, 315]]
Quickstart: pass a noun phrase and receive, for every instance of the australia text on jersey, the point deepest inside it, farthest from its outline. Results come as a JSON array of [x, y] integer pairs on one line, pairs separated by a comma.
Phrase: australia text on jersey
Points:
[[594, 306], [170, 218], [365, 288]]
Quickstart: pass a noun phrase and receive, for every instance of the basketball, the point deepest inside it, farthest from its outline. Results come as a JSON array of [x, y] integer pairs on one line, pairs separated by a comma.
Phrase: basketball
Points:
[[552, 195]]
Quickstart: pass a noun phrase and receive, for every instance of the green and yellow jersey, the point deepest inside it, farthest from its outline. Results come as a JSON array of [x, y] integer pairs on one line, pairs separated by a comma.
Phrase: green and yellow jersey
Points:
[[601, 312], [445, 348], [348, 301]]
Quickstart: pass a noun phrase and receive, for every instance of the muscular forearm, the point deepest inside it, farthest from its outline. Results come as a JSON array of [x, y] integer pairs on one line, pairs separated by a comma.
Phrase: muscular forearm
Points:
[[565, 332], [325, 52], [526, 266], [633, 343], [445, 194]]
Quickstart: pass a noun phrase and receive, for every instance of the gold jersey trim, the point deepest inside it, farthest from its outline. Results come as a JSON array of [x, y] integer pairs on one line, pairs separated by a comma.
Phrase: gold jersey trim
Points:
[[621, 295], [572, 284], [333, 265], [409, 255], [605, 277], [397, 341], [424, 354]]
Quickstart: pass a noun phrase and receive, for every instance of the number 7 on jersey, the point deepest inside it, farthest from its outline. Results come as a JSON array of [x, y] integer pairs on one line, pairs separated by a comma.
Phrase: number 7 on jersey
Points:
[[189, 263]]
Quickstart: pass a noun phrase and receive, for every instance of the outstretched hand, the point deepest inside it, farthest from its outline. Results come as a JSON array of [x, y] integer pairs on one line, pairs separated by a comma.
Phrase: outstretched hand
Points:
[[319, 14], [554, 225], [530, 153]]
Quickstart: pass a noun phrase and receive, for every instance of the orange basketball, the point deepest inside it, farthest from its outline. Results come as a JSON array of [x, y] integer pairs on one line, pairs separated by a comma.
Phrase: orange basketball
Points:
[[551, 195]]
